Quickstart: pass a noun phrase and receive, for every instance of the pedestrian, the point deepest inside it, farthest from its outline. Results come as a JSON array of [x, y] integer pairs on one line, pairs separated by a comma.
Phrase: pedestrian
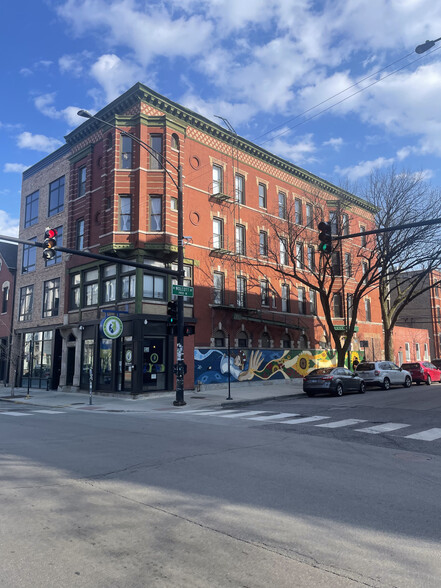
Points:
[[354, 364]]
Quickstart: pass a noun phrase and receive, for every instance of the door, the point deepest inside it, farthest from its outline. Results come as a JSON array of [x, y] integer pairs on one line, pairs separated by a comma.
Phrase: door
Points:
[[153, 365], [127, 371]]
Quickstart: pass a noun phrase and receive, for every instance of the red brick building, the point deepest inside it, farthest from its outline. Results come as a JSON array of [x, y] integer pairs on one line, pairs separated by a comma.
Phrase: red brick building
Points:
[[8, 270], [411, 344], [122, 202]]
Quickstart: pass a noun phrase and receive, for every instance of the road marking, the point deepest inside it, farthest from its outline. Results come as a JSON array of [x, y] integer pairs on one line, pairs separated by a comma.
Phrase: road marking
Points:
[[49, 411], [304, 420], [274, 417], [12, 413], [217, 412], [242, 414], [429, 435], [345, 423], [385, 428]]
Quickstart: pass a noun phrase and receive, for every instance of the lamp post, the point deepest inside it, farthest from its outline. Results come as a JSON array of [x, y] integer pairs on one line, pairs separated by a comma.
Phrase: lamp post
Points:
[[426, 46], [180, 366]]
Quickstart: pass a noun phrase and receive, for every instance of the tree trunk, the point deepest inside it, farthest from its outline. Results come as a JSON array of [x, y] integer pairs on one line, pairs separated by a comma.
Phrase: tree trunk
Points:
[[388, 343]]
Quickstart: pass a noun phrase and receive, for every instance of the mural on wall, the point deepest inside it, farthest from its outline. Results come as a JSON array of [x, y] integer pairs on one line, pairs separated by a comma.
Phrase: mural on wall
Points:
[[211, 365]]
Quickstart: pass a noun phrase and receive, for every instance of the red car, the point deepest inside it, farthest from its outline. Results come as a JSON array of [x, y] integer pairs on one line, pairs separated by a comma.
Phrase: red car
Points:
[[423, 371]]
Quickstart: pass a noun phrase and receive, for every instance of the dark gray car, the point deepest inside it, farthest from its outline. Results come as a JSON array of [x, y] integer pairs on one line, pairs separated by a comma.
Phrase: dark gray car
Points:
[[332, 380]]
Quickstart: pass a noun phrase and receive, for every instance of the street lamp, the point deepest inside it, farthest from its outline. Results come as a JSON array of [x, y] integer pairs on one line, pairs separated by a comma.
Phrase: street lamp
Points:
[[179, 185], [426, 46]]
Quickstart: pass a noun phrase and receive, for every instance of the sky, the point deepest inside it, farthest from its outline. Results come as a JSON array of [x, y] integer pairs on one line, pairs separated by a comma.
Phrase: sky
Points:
[[333, 86]]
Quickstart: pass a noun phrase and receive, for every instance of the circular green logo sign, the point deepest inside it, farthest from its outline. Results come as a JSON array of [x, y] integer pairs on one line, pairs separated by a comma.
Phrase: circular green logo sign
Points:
[[112, 327]]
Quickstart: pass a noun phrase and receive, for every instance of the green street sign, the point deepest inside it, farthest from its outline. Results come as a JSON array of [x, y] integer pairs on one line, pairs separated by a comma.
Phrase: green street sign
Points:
[[178, 290], [343, 328]]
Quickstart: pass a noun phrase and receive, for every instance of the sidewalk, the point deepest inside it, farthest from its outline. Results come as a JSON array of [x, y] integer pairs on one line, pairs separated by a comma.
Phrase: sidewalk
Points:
[[207, 398]]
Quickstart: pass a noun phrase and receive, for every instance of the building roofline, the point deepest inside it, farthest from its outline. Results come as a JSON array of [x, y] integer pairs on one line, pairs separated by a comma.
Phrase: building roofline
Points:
[[46, 161], [140, 92]]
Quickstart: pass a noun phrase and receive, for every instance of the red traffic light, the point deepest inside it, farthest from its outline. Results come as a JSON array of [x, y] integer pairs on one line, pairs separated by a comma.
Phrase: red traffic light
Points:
[[49, 243], [50, 233]]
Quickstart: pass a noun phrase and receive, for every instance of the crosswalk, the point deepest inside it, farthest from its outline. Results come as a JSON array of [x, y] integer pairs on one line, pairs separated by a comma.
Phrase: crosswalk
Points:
[[277, 418]]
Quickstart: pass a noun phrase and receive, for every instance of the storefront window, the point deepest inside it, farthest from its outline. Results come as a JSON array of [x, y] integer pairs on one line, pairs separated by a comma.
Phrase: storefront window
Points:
[[88, 349], [37, 359], [105, 367]]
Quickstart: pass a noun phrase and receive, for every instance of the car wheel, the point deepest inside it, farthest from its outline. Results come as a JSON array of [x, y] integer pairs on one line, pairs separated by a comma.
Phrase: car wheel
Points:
[[310, 394], [362, 388], [339, 390], [386, 384], [429, 380], [408, 382]]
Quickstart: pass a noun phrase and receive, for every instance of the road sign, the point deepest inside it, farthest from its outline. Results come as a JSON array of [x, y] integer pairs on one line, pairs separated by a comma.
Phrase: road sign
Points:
[[364, 343], [179, 290]]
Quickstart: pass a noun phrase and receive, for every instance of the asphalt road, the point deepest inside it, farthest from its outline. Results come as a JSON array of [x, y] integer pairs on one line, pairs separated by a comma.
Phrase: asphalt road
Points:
[[181, 498]]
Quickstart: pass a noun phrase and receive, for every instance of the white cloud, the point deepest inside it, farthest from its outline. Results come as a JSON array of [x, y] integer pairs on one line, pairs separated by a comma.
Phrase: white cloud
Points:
[[27, 140], [25, 71], [45, 104], [115, 75], [301, 152], [14, 168], [334, 142], [364, 168], [8, 224]]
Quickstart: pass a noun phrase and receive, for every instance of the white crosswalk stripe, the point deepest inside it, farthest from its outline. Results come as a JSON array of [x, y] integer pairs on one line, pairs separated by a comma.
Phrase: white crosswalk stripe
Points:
[[50, 411], [304, 420], [384, 428], [13, 413], [274, 417], [242, 414], [344, 423], [429, 435]]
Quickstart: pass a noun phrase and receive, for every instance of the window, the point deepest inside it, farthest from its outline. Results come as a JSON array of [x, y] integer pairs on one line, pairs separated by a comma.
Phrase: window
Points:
[[417, 352], [153, 287], [336, 265], [302, 300], [31, 209], [109, 283], [286, 342], [265, 340], [262, 195], [338, 310], [426, 352], [298, 211], [311, 258], [282, 205], [175, 142], [218, 179], [263, 243], [218, 287], [75, 292], [81, 181], [91, 288], [285, 298], [264, 293], [156, 213], [365, 272], [334, 224], [56, 197], [174, 203], [51, 297], [156, 146], [239, 183], [363, 237], [242, 339], [309, 216], [348, 265], [126, 152], [79, 234], [240, 240], [283, 252], [241, 289], [25, 304], [300, 260], [218, 233], [5, 298], [313, 302], [128, 282], [29, 258], [349, 304], [407, 348], [367, 308], [219, 339], [345, 224], [125, 212], [58, 255]]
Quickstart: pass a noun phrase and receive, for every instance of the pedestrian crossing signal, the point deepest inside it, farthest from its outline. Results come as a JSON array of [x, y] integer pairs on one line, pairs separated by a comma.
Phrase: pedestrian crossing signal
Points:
[[49, 243]]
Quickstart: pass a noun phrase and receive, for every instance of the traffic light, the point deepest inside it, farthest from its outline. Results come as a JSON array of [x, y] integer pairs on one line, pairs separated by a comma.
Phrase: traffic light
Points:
[[188, 330], [325, 237], [172, 311], [49, 243]]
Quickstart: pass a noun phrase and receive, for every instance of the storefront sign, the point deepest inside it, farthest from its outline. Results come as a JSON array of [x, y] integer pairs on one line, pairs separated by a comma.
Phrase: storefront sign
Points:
[[111, 327]]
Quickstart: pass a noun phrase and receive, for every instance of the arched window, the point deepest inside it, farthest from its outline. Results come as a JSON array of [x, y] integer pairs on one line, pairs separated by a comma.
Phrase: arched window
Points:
[[242, 339], [265, 340], [219, 338], [286, 342], [175, 142]]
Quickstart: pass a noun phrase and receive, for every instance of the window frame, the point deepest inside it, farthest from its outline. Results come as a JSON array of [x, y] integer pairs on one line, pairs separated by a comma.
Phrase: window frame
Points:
[[51, 298], [26, 303], [263, 243], [79, 233], [298, 211], [56, 191], [31, 215], [218, 288], [155, 215], [241, 291], [126, 152], [239, 190], [217, 182], [218, 236], [240, 234], [282, 204], [262, 195], [29, 257], [82, 181], [156, 162]]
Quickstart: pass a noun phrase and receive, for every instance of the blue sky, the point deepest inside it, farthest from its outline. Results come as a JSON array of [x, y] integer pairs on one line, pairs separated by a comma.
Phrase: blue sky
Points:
[[261, 64]]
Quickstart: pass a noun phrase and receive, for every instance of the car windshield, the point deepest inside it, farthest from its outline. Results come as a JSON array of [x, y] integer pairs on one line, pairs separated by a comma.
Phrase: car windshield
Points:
[[365, 367], [410, 366], [320, 372]]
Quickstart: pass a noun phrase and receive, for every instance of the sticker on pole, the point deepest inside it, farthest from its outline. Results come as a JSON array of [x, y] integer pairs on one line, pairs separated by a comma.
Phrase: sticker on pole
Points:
[[111, 327]]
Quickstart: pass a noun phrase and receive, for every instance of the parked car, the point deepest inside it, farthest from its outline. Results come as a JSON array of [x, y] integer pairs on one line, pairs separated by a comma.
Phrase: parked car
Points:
[[333, 380], [423, 371], [383, 374]]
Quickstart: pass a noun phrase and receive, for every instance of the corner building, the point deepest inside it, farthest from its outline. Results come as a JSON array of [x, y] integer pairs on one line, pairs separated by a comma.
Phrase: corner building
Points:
[[122, 202]]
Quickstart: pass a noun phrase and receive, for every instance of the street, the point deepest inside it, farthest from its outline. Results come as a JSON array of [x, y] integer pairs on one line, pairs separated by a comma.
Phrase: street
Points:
[[299, 491]]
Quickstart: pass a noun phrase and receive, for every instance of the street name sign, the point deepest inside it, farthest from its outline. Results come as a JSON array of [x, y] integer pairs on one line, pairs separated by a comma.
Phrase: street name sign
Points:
[[179, 290]]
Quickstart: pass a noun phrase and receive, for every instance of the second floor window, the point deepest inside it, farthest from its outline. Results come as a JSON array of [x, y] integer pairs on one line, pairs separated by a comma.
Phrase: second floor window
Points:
[[367, 308], [338, 310], [263, 243], [264, 293], [218, 288], [300, 260], [313, 302], [283, 252], [25, 304], [217, 179], [125, 213], [309, 216], [218, 233], [311, 258], [56, 197], [91, 288], [156, 213], [31, 209], [345, 223], [126, 152], [240, 189], [302, 300], [5, 298], [240, 240], [241, 289], [262, 195], [75, 291], [285, 298], [282, 205], [51, 298], [298, 211], [109, 283], [81, 181], [79, 234], [153, 287], [363, 237], [29, 258], [156, 146], [348, 265]]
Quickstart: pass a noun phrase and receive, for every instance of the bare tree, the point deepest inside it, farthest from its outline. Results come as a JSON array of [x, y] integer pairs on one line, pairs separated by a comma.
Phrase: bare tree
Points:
[[405, 257], [12, 353]]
